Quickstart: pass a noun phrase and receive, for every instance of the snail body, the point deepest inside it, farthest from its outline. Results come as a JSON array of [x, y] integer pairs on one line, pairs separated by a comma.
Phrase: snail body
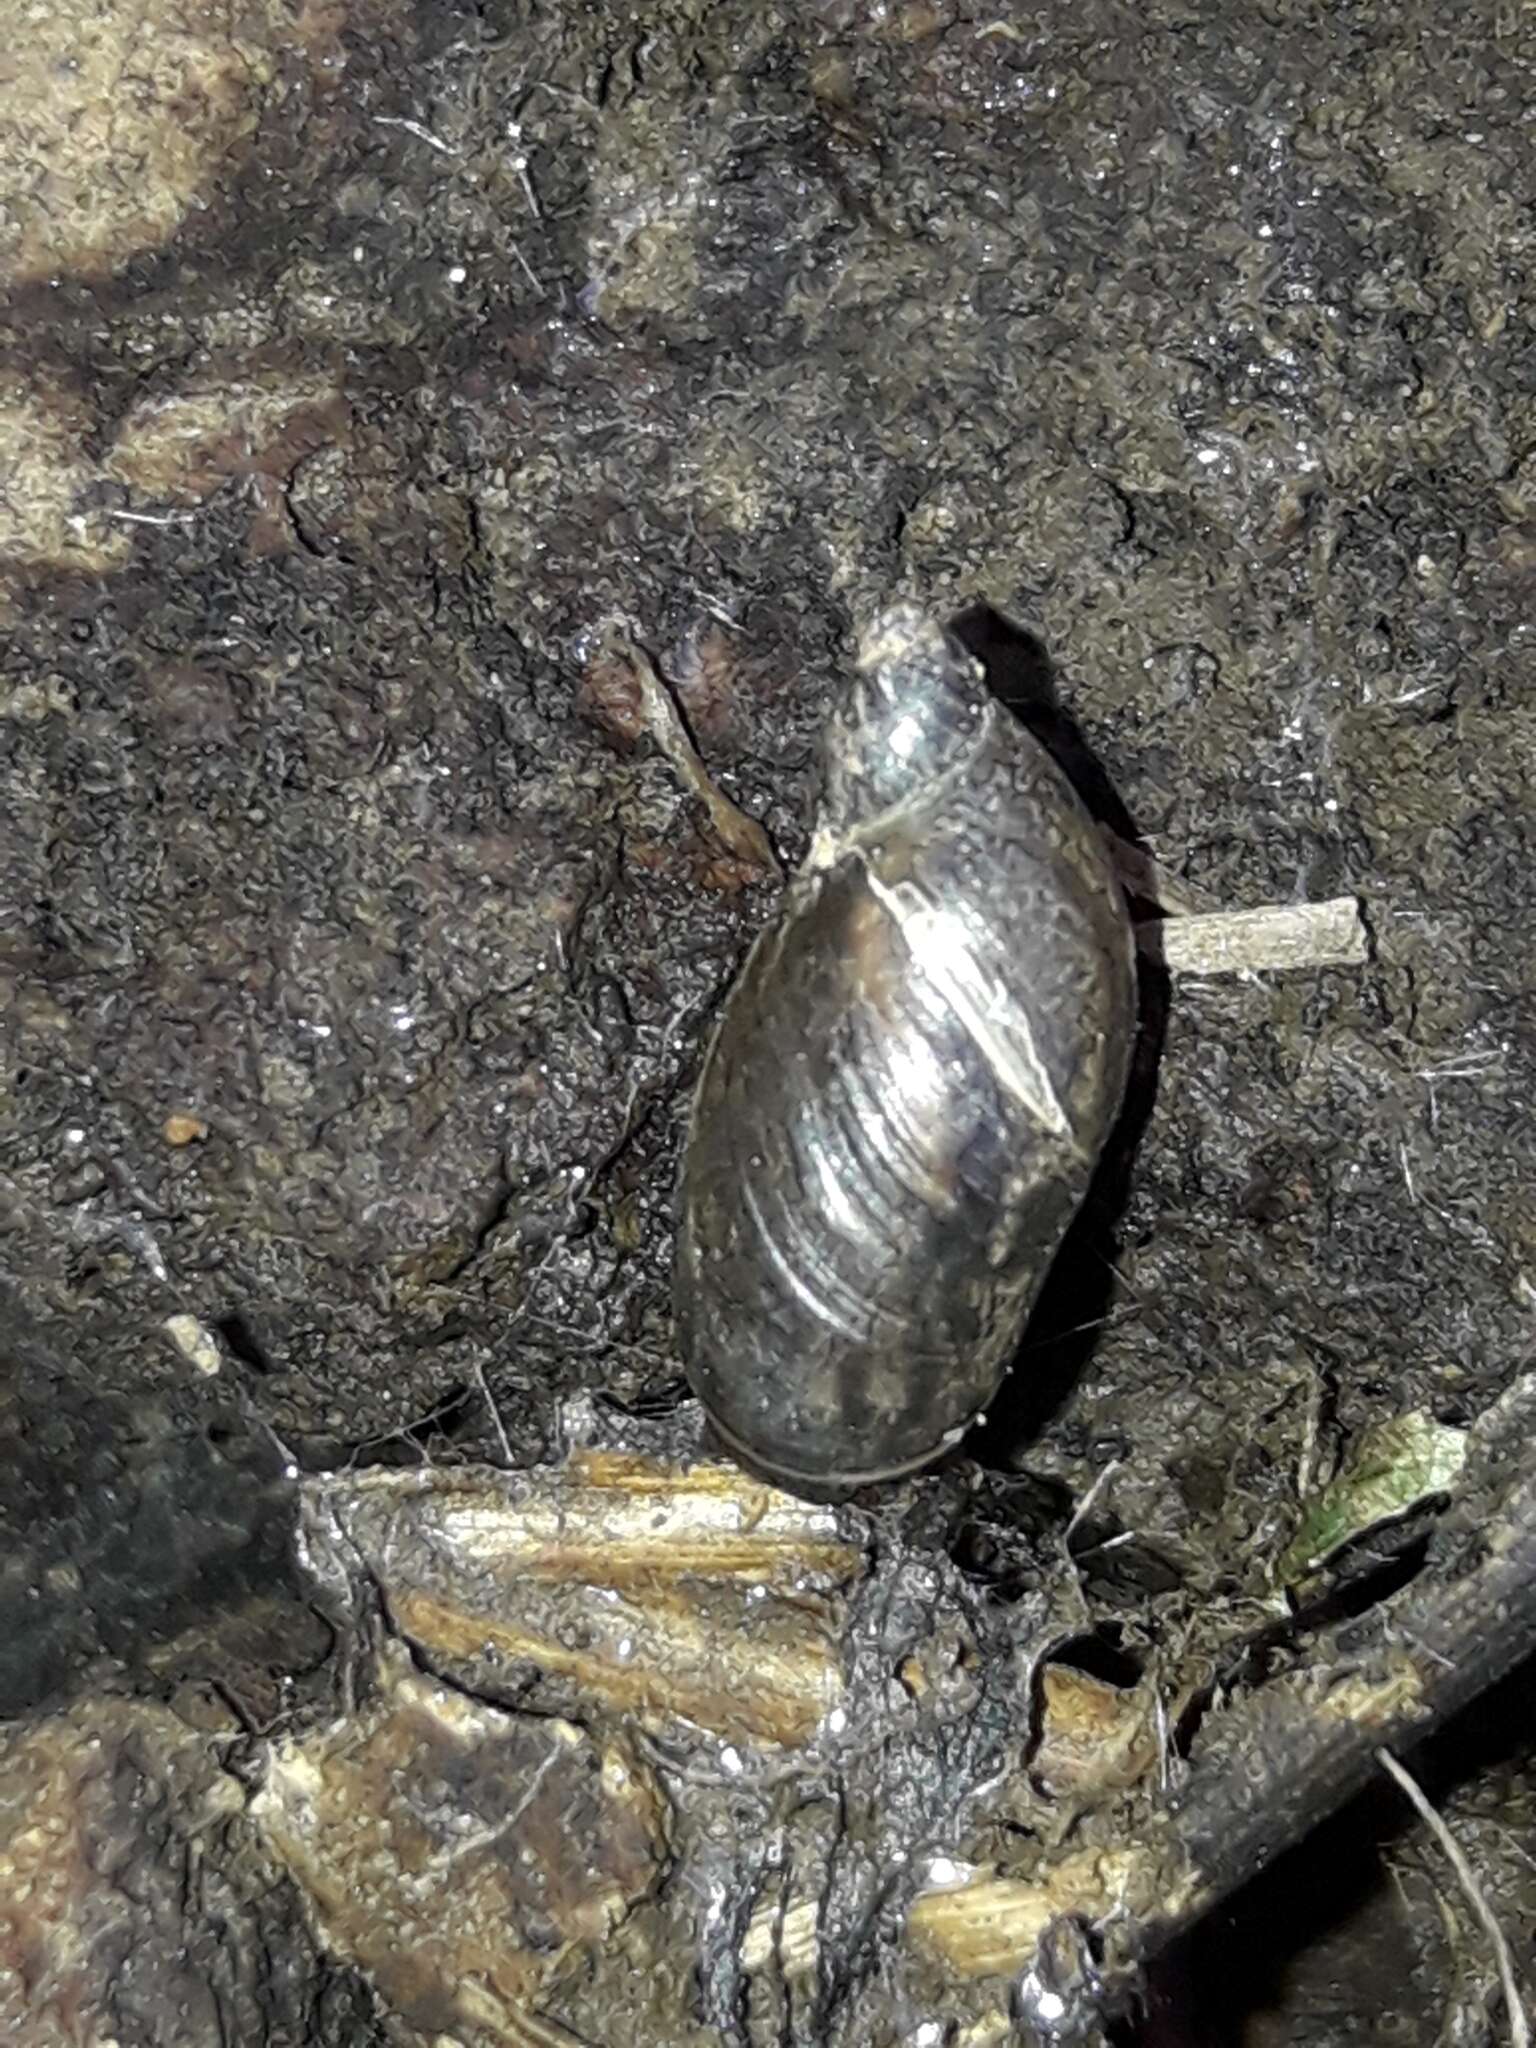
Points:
[[908, 1086]]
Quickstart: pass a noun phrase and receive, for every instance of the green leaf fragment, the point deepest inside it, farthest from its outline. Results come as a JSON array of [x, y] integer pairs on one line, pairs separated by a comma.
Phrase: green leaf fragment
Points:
[[1394, 1466]]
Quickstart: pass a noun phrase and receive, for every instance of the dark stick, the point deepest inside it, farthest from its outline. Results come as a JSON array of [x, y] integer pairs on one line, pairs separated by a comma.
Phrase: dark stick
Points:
[[1279, 1761]]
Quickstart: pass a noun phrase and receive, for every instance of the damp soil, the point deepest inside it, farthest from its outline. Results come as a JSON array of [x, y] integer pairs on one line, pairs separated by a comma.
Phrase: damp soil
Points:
[[364, 372]]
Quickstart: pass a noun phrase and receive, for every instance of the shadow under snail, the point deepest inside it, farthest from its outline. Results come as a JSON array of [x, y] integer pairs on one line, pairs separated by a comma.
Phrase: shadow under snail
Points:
[[908, 1087]]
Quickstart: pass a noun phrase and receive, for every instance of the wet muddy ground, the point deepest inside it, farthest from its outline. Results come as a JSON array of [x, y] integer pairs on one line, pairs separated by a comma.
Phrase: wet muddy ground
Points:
[[364, 372]]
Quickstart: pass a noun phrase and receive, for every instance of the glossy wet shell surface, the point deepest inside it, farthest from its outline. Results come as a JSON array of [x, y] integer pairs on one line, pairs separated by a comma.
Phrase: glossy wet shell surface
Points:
[[901, 1109]]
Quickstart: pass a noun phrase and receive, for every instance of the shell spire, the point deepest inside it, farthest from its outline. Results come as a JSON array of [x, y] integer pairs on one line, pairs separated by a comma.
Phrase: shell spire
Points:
[[916, 707]]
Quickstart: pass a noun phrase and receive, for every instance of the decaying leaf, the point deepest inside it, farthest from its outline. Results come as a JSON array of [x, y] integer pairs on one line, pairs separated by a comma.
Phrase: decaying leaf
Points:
[[541, 1840], [989, 1926], [743, 836], [1394, 1468], [782, 1934], [687, 1596], [748, 1653], [1094, 1738], [131, 1904]]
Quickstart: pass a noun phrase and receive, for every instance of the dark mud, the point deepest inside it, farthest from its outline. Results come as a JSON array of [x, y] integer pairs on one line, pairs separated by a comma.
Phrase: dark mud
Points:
[[359, 369]]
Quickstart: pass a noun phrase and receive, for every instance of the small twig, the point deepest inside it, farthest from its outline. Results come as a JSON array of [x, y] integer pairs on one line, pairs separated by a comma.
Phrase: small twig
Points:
[[1466, 1877], [416, 128], [524, 265], [1085, 1506], [1164, 1744], [478, 1370], [150, 518], [743, 836], [1110, 1543], [1307, 1459], [1266, 941]]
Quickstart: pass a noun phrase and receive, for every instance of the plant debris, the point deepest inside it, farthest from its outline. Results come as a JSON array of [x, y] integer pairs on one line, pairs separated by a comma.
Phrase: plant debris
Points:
[[1395, 1467]]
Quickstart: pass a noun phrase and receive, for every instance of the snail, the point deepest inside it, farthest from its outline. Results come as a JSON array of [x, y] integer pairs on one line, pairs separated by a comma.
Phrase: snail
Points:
[[907, 1088]]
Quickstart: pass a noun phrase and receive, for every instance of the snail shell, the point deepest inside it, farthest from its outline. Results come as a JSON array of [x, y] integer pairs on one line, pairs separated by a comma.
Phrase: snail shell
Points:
[[908, 1087]]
